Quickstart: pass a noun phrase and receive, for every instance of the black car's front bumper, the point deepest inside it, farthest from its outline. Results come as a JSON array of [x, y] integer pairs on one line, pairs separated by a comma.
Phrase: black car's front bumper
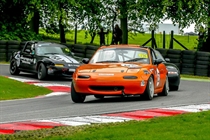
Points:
[[174, 79], [63, 71]]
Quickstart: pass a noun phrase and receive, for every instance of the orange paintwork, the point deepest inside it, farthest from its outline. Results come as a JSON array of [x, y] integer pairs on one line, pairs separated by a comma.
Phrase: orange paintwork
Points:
[[111, 74]]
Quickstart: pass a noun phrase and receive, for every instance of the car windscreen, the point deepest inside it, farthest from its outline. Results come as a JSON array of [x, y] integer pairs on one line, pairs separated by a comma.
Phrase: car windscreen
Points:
[[121, 55], [52, 49]]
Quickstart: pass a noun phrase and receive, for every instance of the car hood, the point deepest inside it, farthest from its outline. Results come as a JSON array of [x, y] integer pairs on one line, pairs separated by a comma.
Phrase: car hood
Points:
[[114, 67], [61, 57]]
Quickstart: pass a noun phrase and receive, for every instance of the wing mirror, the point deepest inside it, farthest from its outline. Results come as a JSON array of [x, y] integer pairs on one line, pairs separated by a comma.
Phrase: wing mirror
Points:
[[158, 61], [85, 60], [167, 59]]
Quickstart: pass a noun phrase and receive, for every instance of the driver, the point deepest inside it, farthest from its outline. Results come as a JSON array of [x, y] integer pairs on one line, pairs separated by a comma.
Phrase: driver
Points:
[[32, 49]]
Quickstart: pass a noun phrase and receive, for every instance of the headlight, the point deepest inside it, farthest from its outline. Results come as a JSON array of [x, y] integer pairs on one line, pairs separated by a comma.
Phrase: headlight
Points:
[[172, 72], [59, 65]]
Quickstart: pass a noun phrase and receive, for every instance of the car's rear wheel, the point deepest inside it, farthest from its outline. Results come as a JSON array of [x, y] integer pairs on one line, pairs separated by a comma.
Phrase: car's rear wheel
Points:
[[42, 71], [149, 91], [13, 68], [165, 88], [99, 96], [76, 97]]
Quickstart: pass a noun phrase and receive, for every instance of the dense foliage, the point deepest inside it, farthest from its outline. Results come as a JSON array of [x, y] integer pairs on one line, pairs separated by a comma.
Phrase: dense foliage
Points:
[[60, 16]]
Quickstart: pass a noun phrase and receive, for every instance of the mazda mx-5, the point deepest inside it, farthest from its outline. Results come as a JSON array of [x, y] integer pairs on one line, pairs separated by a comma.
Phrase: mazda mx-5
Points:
[[120, 70], [43, 59]]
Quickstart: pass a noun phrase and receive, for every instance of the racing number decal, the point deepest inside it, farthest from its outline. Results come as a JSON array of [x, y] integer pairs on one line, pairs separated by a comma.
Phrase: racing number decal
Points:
[[158, 77]]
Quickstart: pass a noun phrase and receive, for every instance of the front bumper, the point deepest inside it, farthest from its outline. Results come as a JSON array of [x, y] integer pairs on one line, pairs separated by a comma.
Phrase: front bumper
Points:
[[174, 79], [64, 71], [107, 88]]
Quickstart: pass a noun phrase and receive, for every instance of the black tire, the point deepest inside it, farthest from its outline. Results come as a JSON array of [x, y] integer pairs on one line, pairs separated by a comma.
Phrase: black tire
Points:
[[178, 65], [203, 54], [174, 60], [165, 88], [99, 96], [188, 61], [88, 55], [2, 50], [174, 56], [188, 52], [17, 47], [174, 88], [92, 47], [203, 58], [82, 55], [174, 51], [202, 66], [3, 42], [76, 97], [90, 52], [191, 57], [189, 71], [202, 62], [41, 72], [13, 68], [149, 91], [201, 72], [13, 42], [184, 65], [76, 50]]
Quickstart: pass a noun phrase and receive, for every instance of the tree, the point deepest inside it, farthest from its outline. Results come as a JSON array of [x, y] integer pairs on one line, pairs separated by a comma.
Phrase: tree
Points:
[[188, 12]]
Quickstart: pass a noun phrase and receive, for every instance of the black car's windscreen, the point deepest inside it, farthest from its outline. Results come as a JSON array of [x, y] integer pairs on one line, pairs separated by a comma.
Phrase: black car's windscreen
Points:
[[158, 55], [52, 49], [121, 55]]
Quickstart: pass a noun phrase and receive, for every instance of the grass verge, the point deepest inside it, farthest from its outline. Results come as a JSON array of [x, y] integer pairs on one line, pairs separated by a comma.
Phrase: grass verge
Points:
[[192, 126], [12, 89], [189, 42]]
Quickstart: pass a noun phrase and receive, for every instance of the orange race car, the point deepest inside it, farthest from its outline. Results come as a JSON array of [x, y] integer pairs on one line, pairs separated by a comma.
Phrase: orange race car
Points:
[[120, 70]]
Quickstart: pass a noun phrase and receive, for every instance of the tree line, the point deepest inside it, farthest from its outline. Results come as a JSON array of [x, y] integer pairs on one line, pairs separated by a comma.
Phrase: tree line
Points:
[[21, 19]]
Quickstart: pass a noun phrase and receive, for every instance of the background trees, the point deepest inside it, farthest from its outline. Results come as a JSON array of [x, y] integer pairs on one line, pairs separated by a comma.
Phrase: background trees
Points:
[[21, 19]]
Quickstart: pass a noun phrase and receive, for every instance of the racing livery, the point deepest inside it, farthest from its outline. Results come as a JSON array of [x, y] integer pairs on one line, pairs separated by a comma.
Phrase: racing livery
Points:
[[43, 59], [120, 70], [173, 72]]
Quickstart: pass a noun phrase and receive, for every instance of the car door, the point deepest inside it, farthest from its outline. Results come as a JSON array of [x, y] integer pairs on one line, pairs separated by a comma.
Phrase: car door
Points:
[[159, 70], [27, 58]]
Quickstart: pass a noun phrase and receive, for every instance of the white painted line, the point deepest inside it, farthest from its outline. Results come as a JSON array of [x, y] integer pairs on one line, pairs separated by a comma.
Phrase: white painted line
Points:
[[87, 120], [191, 108], [49, 84], [56, 94], [23, 80]]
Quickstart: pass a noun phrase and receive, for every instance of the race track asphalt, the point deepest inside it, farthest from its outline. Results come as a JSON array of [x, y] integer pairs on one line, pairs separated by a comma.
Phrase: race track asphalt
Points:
[[190, 92]]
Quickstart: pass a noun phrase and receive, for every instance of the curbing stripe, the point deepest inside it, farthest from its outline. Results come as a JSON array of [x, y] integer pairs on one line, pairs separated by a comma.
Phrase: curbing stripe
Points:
[[104, 118], [192, 108], [57, 89]]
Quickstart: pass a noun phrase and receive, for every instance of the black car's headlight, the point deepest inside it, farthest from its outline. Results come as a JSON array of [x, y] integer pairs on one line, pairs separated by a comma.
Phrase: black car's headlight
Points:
[[59, 65]]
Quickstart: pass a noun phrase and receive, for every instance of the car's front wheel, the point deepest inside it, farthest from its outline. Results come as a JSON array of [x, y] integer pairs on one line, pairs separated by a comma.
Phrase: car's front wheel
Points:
[[42, 71], [13, 68], [149, 91], [76, 97]]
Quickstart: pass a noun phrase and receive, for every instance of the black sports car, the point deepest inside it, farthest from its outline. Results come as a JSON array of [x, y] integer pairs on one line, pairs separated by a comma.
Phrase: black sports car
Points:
[[43, 58], [173, 72]]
